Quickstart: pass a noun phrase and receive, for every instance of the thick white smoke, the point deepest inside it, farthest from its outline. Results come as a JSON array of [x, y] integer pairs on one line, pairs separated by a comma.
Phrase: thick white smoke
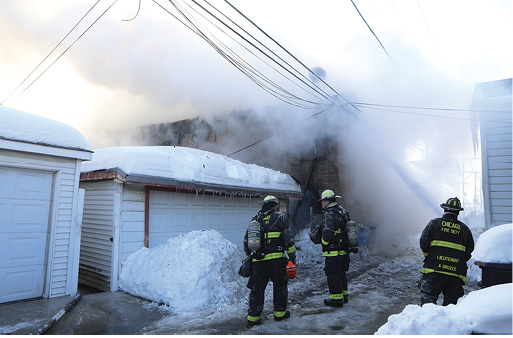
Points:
[[154, 70]]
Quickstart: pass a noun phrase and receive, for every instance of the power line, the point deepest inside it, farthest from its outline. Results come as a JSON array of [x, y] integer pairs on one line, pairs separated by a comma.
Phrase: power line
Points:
[[136, 14], [295, 58], [274, 134], [377, 107], [281, 59], [372, 31], [427, 27], [245, 67], [237, 61], [425, 108], [47, 68], [32, 72]]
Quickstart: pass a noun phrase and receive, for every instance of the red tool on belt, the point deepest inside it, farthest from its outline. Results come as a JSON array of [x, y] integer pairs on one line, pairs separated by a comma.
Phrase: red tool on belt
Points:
[[291, 270]]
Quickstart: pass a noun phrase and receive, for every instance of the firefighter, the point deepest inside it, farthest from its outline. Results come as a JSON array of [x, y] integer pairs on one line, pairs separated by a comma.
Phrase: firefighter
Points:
[[447, 244], [269, 262], [332, 234]]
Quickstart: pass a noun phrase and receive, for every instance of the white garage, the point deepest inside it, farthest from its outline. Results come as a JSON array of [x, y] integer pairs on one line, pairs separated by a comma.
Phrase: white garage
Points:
[[40, 206], [142, 196], [172, 214]]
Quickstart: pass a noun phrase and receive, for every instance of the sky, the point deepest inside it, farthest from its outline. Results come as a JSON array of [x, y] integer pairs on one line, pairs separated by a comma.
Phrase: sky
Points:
[[137, 66], [154, 69]]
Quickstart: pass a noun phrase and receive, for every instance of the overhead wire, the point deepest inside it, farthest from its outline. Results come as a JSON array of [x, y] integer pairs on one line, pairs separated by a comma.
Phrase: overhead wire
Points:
[[427, 27], [68, 48], [247, 69], [274, 134], [47, 56], [324, 94], [238, 62], [262, 52], [136, 14], [426, 108], [380, 107], [284, 49], [372, 31], [232, 57]]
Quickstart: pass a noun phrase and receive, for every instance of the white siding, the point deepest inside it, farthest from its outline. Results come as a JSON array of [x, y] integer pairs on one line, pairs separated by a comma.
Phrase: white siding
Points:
[[172, 214], [496, 153], [132, 221], [65, 191], [98, 224], [101, 260]]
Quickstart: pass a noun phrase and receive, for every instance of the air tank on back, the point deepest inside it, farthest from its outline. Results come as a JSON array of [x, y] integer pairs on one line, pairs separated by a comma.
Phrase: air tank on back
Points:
[[254, 236], [352, 234]]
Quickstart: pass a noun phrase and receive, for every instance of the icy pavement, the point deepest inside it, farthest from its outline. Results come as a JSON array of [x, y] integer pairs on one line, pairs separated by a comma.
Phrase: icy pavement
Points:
[[381, 283], [378, 287]]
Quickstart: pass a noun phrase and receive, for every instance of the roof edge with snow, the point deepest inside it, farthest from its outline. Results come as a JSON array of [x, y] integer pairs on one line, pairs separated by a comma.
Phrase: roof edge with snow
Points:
[[45, 149], [120, 176]]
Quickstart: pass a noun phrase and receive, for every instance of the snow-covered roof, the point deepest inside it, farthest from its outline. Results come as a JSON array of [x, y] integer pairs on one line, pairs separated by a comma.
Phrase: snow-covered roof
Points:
[[188, 168], [19, 126]]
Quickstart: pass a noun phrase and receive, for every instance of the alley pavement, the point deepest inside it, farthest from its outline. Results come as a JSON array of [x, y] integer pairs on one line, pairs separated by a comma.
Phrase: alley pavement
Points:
[[99, 313]]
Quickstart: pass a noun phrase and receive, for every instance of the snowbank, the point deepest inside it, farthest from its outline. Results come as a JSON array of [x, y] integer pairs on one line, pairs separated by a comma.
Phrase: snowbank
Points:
[[494, 245], [188, 272], [16, 125], [484, 311], [189, 165], [196, 276]]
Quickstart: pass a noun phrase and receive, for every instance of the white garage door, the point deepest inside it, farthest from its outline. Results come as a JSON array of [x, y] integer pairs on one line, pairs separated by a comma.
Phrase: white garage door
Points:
[[173, 213], [24, 215]]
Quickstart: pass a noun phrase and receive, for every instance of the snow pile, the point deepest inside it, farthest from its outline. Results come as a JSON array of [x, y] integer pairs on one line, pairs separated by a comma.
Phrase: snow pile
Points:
[[189, 165], [307, 253], [494, 245], [20, 126], [484, 311], [188, 272]]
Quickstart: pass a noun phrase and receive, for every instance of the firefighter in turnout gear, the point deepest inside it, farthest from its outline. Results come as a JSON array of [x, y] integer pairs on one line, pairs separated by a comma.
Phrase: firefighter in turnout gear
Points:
[[331, 233], [269, 262], [447, 244]]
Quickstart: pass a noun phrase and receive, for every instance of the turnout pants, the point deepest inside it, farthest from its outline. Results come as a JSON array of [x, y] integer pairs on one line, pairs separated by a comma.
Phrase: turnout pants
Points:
[[335, 269], [432, 284], [274, 270]]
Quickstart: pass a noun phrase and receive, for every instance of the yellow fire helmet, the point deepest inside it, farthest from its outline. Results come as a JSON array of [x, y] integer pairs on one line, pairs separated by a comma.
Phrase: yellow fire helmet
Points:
[[328, 194], [270, 198]]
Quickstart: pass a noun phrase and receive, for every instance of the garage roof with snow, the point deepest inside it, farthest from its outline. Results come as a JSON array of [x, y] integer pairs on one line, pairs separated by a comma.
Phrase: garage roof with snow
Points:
[[19, 126], [187, 168]]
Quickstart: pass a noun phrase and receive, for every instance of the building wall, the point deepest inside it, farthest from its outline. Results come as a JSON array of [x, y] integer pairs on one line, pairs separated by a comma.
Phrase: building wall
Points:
[[132, 221], [60, 279], [113, 225], [101, 209], [113, 228], [494, 101]]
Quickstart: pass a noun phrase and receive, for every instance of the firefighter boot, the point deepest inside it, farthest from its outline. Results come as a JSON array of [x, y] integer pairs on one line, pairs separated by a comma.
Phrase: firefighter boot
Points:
[[252, 321], [285, 316], [334, 302], [346, 298]]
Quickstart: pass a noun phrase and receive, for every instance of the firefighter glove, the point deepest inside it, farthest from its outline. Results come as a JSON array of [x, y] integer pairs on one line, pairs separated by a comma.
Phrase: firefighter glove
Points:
[[292, 257]]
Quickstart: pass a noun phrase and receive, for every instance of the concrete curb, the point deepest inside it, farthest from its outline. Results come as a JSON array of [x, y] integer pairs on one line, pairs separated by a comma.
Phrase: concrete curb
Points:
[[59, 314]]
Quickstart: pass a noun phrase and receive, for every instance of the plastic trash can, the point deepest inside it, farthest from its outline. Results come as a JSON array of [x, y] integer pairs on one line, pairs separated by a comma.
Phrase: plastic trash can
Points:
[[494, 273]]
